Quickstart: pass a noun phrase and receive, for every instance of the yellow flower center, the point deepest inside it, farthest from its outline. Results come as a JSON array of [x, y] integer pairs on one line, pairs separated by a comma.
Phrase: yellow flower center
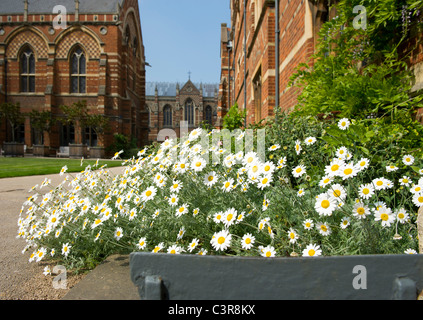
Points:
[[248, 241], [198, 164], [265, 180], [360, 211], [379, 183], [420, 199], [366, 191], [227, 184], [298, 170], [325, 204], [148, 193], [221, 240], [401, 215], [210, 178], [348, 171], [337, 193], [181, 209], [324, 228], [335, 167], [268, 254], [311, 252]]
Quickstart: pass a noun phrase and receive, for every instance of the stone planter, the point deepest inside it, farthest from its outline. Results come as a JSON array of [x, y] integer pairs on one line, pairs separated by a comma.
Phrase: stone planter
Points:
[[77, 151], [41, 151], [14, 149], [193, 277], [97, 152]]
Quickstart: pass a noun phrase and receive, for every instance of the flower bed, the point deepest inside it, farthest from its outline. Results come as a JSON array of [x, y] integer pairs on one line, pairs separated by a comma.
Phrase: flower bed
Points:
[[201, 195]]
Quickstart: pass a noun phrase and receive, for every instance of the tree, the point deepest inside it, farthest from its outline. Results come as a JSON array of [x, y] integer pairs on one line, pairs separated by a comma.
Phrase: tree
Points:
[[234, 119], [77, 115], [42, 121], [100, 124], [12, 114]]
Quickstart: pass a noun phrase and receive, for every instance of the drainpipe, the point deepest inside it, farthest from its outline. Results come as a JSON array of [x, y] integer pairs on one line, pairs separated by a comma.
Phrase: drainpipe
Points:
[[25, 10], [245, 64], [276, 59]]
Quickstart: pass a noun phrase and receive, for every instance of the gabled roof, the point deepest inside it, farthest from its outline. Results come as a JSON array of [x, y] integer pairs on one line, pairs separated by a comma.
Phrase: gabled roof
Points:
[[168, 89], [46, 6]]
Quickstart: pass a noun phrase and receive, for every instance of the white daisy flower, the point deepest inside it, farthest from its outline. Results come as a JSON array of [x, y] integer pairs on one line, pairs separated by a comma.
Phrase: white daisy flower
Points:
[[342, 153], [298, 171], [348, 170], [402, 215], [380, 183], [343, 124], [360, 210], [310, 141], [229, 217], [142, 243], [118, 234], [326, 180], [300, 192], [384, 214], [264, 182], [176, 186], [292, 236], [366, 191], [334, 168], [274, 147], [362, 164], [410, 251], [157, 248], [391, 168], [268, 252], [228, 185], [323, 228], [281, 162], [338, 192], [416, 188], [175, 249], [182, 210], [405, 181], [249, 158], [210, 179], [221, 240], [198, 164], [193, 244], [66, 249], [247, 241], [312, 250], [324, 204], [218, 217], [173, 200], [345, 222], [308, 224], [418, 199], [298, 147], [149, 194], [408, 160]]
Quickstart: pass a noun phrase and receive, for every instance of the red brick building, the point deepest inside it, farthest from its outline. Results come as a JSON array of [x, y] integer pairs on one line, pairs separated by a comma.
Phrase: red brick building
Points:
[[84, 50], [171, 103], [250, 51]]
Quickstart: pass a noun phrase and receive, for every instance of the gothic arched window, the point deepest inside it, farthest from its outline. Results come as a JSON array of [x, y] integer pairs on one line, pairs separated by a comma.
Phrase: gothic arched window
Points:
[[27, 70], [189, 112], [78, 71], [209, 115], [167, 116]]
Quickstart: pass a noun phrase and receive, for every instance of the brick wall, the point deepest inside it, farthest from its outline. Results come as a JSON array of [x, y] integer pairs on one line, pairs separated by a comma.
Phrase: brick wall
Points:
[[115, 73]]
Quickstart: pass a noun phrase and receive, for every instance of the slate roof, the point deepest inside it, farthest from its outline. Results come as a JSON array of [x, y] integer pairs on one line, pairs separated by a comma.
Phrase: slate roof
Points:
[[168, 89], [46, 6]]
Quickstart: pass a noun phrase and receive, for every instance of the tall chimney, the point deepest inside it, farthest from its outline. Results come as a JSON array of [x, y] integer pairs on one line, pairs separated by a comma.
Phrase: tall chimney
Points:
[[76, 10], [25, 10]]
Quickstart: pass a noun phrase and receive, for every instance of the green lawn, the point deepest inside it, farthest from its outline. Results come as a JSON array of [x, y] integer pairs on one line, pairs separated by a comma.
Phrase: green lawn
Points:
[[18, 167]]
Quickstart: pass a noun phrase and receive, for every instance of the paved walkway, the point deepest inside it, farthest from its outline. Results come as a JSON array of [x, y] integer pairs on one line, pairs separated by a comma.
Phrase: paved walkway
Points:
[[16, 273]]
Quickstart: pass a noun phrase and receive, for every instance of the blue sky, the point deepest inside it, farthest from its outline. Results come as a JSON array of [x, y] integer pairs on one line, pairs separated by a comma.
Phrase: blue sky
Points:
[[182, 36]]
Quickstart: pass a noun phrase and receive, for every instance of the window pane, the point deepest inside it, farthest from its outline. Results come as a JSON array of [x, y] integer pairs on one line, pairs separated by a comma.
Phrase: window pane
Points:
[[82, 64], [24, 84], [74, 84], [31, 84], [31, 64], [82, 88], [74, 64], [24, 64]]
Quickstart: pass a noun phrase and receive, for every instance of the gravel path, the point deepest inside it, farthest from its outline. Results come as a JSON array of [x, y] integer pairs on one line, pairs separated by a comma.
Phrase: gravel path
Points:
[[20, 279]]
